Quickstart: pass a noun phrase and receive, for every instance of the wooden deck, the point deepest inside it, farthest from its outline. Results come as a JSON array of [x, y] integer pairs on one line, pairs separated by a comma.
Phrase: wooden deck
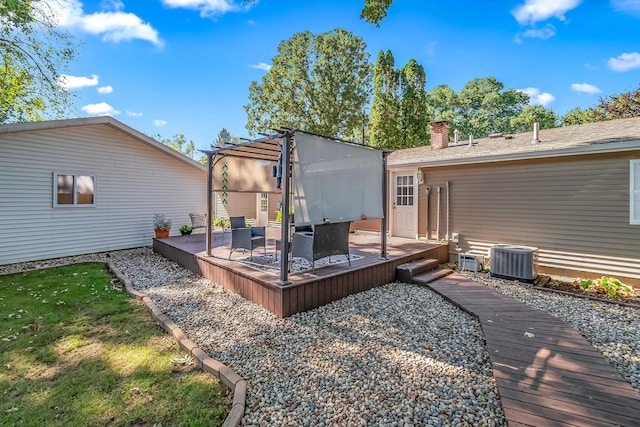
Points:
[[306, 290], [553, 378]]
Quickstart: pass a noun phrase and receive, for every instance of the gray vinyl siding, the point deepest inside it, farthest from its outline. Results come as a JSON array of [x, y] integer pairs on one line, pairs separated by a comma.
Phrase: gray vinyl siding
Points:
[[574, 209], [133, 181]]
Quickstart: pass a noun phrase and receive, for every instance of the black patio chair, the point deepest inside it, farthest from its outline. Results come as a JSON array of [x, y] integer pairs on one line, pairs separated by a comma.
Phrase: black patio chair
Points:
[[243, 237]]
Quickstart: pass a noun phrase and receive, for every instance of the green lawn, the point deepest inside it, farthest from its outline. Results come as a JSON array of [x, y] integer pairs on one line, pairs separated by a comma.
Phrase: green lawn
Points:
[[76, 350]]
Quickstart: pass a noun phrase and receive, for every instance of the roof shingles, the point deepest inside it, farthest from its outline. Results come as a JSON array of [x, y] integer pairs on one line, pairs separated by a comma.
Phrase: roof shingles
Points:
[[607, 132]]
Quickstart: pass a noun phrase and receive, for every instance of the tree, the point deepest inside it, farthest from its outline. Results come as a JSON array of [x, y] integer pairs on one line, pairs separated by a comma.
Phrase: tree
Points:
[[383, 127], [485, 107], [317, 83], [531, 114], [399, 116], [179, 143], [414, 119], [578, 116], [375, 11], [224, 137], [622, 106], [33, 52], [17, 103]]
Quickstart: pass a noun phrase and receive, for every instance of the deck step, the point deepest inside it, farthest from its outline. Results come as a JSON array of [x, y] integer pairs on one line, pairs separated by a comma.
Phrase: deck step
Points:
[[431, 276], [405, 272]]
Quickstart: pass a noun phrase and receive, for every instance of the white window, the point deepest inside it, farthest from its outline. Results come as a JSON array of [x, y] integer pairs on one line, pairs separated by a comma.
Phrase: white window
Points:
[[264, 202], [73, 190], [634, 192], [404, 190]]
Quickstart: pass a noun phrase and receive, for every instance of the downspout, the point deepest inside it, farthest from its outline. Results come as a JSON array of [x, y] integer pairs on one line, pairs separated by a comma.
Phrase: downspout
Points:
[[438, 217], [428, 191], [383, 225], [286, 188], [447, 235]]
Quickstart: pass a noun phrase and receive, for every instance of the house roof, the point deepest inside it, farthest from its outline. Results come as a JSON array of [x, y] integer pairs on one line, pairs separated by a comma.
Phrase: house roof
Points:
[[101, 120], [591, 138]]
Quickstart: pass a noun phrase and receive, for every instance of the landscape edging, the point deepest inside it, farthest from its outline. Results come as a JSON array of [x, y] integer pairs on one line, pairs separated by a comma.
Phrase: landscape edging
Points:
[[234, 382]]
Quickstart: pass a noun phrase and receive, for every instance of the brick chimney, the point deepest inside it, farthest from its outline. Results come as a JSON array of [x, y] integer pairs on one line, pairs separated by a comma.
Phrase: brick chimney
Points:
[[439, 135]]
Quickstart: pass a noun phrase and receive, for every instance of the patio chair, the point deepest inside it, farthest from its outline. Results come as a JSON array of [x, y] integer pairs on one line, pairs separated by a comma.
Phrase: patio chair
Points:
[[243, 237], [325, 240], [197, 221]]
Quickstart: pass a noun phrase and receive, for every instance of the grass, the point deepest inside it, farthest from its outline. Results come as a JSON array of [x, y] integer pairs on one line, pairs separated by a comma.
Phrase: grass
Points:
[[75, 350]]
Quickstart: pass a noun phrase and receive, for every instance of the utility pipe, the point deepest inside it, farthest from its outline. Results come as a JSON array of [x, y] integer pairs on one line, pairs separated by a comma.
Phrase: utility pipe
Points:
[[447, 235], [438, 217], [428, 191]]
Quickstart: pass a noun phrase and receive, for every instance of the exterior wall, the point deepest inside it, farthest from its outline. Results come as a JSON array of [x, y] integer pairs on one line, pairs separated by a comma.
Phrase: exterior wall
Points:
[[574, 209], [133, 181], [275, 199], [244, 175], [238, 204]]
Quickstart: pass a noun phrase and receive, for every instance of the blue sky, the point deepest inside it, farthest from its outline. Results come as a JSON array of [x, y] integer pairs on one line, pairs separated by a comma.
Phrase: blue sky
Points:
[[185, 66]]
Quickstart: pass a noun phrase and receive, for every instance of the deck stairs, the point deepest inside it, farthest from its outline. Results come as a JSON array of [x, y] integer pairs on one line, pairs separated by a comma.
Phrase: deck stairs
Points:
[[421, 271]]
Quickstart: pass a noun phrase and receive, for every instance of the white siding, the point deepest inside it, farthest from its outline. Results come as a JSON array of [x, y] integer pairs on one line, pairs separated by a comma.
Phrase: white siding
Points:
[[133, 181]]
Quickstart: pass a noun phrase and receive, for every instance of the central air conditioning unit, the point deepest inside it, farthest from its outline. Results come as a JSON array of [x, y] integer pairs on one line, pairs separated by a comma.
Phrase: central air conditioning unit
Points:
[[514, 262]]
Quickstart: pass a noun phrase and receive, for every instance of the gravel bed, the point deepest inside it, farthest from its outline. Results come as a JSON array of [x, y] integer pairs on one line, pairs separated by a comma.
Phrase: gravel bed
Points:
[[397, 355]]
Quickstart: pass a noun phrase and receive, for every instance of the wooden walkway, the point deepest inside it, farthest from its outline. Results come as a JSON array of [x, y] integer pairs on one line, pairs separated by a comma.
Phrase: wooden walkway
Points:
[[547, 373]]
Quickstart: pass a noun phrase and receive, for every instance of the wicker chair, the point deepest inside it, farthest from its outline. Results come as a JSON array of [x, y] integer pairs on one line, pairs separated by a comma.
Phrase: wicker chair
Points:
[[324, 241], [243, 237], [197, 221]]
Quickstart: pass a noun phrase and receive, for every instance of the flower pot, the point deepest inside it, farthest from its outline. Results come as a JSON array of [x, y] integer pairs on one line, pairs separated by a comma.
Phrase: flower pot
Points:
[[162, 234], [186, 233]]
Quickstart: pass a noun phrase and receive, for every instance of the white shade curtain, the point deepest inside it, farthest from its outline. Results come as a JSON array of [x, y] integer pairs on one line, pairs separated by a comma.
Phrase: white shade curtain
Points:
[[334, 181]]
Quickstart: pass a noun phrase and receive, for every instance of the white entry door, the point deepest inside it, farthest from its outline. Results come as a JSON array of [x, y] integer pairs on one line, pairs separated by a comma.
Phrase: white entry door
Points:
[[262, 208], [405, 205]]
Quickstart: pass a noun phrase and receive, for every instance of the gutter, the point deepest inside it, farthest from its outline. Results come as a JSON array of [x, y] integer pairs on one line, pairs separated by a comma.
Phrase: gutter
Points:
[[561, 152]]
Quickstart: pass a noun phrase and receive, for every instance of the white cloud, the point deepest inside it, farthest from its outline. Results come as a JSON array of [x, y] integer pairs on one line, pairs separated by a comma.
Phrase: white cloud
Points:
[[540, 33], [208, 7], [112, 25], [133, 114], [74, 82], [100, 109], [585, 88], [627, 6], [538, 98], [533, 11], [261, 66], [159, 122], [105, 89], [625, 62]]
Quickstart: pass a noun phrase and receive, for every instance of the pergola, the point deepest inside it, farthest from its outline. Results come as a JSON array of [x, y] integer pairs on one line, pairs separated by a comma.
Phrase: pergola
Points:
[[309, 155]]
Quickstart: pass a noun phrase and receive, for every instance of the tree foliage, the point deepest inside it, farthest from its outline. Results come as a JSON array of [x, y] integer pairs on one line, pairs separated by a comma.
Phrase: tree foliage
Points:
[[180, 143], [622, 106], [224, 137], [578, 116], [375, 11], [33, 52], [399, 116], [317, 83], [483, 106]]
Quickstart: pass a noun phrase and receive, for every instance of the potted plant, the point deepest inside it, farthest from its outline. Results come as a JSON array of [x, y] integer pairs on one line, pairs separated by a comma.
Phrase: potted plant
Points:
[[186, 229], [161, 226]]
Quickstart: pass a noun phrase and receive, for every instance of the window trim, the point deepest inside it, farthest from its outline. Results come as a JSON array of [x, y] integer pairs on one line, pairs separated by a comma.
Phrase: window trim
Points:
[[75, 203], [634, 193]]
